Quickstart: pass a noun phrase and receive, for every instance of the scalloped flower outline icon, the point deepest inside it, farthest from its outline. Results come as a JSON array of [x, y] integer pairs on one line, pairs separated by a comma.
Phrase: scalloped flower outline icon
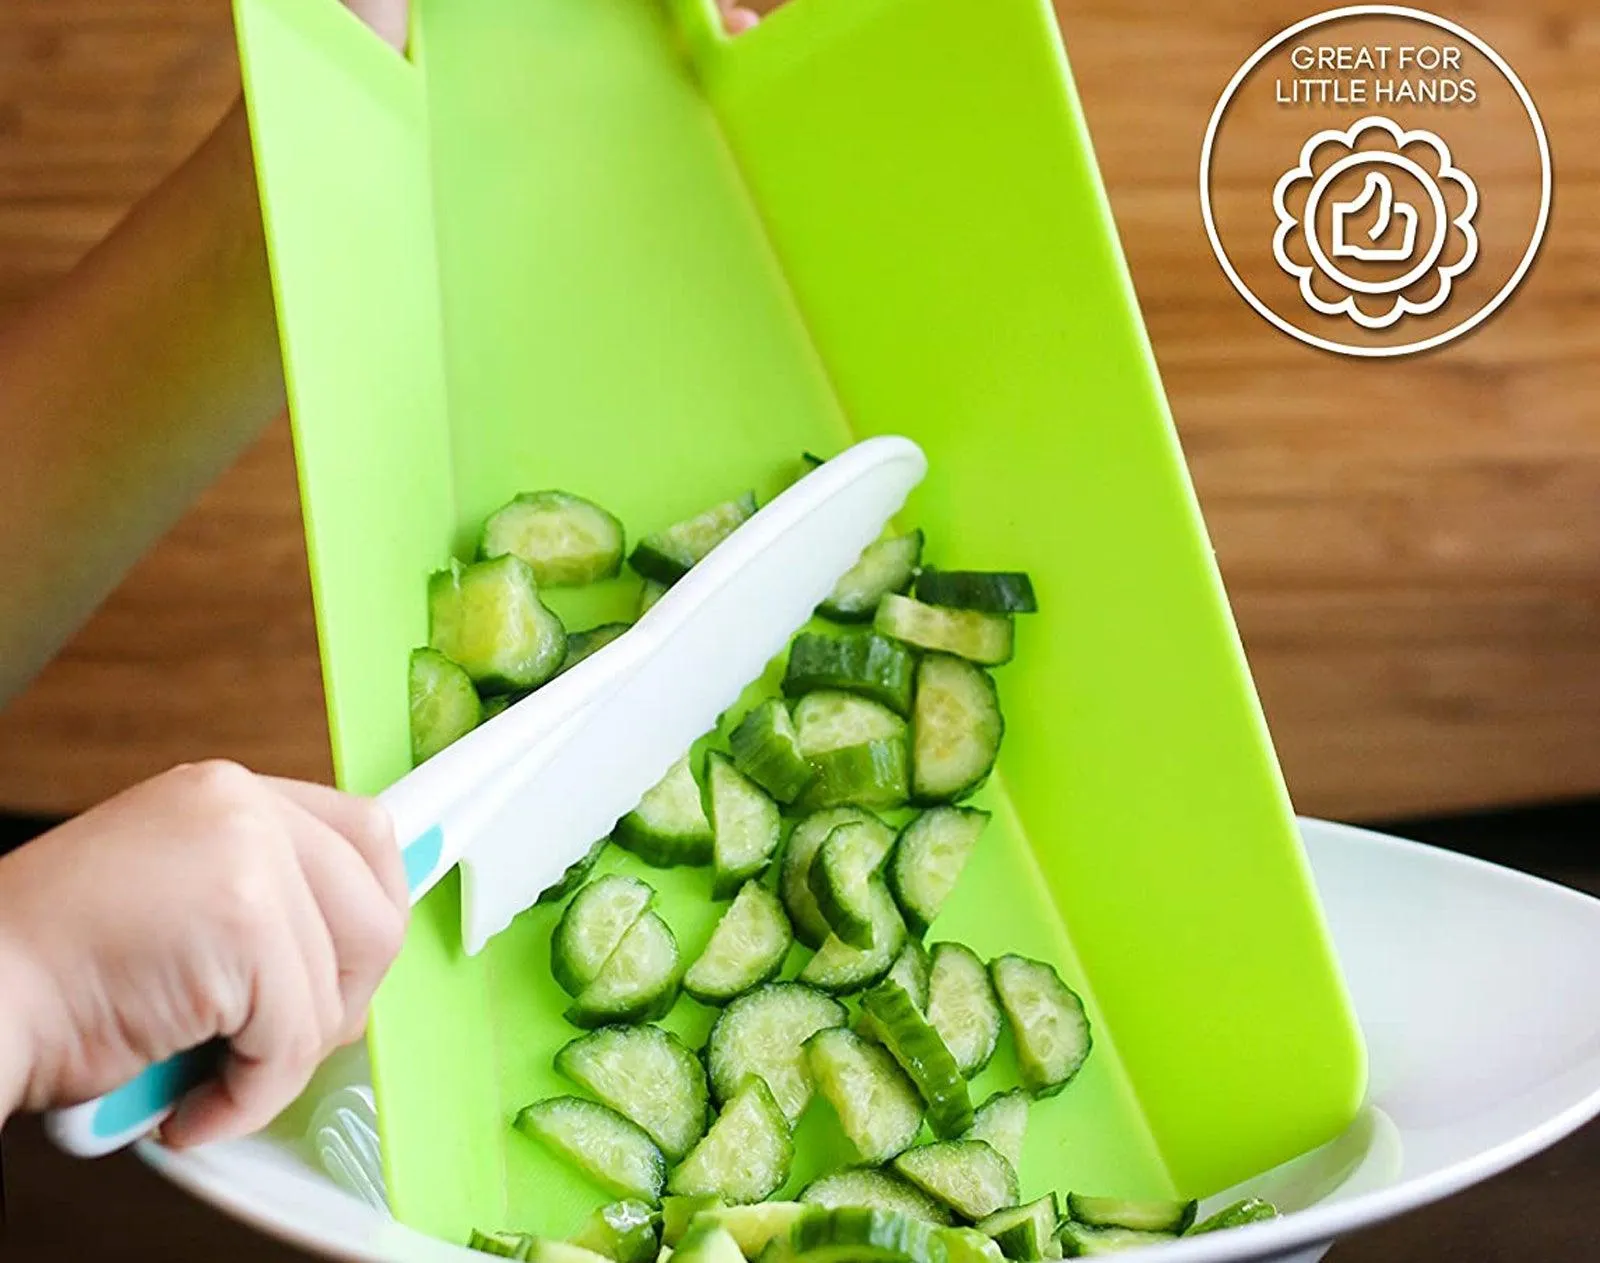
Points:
[[1424, 286]]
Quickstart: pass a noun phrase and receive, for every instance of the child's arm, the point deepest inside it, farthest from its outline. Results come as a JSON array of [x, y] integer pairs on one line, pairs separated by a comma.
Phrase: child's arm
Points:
[[206, 902]]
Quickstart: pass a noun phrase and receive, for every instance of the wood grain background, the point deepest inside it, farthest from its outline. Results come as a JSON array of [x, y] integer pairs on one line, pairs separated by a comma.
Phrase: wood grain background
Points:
[[1413, 547]]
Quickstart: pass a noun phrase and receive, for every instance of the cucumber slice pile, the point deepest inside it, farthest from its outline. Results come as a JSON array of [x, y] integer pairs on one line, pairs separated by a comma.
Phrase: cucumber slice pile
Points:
[[762, 1035], [648, 1076]]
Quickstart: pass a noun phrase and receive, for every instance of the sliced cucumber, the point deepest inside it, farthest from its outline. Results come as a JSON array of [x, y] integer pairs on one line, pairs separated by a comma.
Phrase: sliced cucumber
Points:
[[956, 729], [885, 567], [585, 644], [754, 1227], [1080, 1241], [638, 982], [544, 1250], [762, 1034], [628, 1231], [592, 926], [962, 1006], [987, 591], [928, 861], [1047, 1021], [745, 1156], [767, 750], [839, 968], [1252, 1210], [708, 1243], [577, 873], [488, 617], [841, 876], [855, 1234], [669, 825], [876, 1190], [794, 882], [666, 556], [968, 1245], [910, 971], [913, 1042], [649, 594], [677, 1213], [745, 826], [864, 663], [876, 775], [747, 948], [648, 1076], [1002, 1121], [444, 704], [492, 706], [1025, 1232], [1141, 1216], [566, 540], [616, 1154], [966, 1175], [983, 638], [505, 1245], [831, 720], [879, 1109]]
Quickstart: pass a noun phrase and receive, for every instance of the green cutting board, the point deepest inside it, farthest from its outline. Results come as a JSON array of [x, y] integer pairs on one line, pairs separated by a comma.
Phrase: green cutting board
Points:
[[595, 245]]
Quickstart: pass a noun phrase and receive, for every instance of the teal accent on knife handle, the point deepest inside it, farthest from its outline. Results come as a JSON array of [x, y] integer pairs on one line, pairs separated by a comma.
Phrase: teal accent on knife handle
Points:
[[143, 1101], [422, 857]]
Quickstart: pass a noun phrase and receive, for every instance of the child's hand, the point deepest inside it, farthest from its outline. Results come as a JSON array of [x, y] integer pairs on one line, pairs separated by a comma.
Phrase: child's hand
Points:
[[387, 17], [206, 902]]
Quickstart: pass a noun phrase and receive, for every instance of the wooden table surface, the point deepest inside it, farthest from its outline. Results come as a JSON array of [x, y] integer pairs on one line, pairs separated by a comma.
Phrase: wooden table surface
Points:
[[1413, 547]]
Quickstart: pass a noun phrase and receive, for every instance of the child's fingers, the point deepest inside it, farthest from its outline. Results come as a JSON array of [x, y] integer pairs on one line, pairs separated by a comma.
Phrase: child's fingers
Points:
[[363, 822], [737, 20]]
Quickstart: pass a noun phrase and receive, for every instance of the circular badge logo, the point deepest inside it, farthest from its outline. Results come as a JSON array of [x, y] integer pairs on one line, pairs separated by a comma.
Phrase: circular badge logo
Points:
[[1375, 181]]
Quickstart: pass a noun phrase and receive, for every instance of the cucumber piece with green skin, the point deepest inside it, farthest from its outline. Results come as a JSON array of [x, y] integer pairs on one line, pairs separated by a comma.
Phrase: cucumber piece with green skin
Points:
[[592, 926], [910, 971], [841, 969], [962, 1006], [488, 618], [1026, 1232], [987, 591], [1047, 1022], [443, 702], [648, 1076], [886, 566], [649, 594], [968, 1245], [987, 639], [1252, 1210], [566, 540], [794, 881], [745, 826], [1141, 1216], [841, 875], [762, 1034], [966, 1175], [585, 644], [856, 1234], [875, 1189], [956, 729], [707, 1242], [878, 1107], [747, 948], [830, 720], [667, 555], [577, 873], [754, 1227], [863, 663], [745, 1155], [669, 826], [678, 1212], [876, 774], [616, 1154], [1002, 1121], [929, 859], [628, 1231], [638, 982], [766, 748], [492, 706], [504, 1245], [913, 1042], [1080, 1241]]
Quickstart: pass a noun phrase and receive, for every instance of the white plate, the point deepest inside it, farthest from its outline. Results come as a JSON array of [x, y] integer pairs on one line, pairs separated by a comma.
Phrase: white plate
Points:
[[1478, 989]]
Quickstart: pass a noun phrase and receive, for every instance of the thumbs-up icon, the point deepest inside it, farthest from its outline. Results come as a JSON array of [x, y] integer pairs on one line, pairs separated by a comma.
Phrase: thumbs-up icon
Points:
[[1392, 233]]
